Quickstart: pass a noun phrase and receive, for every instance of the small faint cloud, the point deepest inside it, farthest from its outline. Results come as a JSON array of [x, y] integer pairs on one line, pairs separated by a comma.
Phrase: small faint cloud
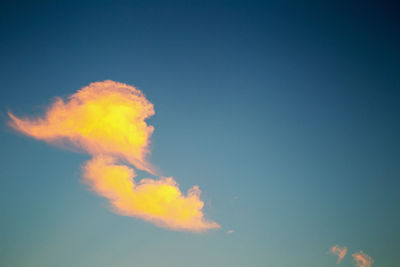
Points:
[[362, 260], [338, 251], [229, 232]]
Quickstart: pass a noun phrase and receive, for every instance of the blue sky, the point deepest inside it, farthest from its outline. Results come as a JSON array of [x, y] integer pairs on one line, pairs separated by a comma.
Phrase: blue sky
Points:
[[285, 114]]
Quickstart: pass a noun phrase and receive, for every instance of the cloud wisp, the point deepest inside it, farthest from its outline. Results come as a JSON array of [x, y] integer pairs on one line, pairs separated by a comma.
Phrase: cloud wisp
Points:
[[340, 252], [107, 120], [362, 260]]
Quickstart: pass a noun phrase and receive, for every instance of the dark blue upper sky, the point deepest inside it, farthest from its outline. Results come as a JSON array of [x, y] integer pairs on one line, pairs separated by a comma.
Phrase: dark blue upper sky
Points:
[[285, 113]]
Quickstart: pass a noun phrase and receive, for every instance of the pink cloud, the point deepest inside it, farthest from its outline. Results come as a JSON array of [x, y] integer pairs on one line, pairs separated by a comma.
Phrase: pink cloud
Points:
[[338, 251], [362, 260]]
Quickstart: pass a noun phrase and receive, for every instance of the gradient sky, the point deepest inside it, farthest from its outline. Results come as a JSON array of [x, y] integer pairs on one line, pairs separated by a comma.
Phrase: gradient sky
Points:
[[285, 114]]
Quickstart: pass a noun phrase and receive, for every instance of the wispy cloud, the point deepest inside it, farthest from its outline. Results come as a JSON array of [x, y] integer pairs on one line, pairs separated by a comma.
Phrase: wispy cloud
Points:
[[338, 251], [107, 120], [362, 260], [229, 232]]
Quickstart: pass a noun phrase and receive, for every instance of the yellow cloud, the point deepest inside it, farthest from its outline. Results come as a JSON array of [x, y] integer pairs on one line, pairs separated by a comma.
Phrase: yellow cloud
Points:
[[102, 118], [157, 201], [107, 119]]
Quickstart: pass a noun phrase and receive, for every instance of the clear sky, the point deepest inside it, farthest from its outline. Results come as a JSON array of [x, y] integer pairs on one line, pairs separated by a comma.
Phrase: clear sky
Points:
[[285, 114]]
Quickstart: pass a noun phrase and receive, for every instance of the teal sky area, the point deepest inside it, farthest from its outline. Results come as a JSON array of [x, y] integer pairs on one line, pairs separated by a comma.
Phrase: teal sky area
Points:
[[284, 113]]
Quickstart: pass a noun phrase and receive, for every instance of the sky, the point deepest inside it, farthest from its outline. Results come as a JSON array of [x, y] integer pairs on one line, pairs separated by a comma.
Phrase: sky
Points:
[[285, 114]]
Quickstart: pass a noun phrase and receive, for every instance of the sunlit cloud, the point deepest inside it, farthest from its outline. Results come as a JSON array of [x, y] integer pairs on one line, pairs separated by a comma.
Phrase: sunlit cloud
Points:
[[229, 232], [102, 118], [107, 120], [340, 252], [362, 260], [159, 201]]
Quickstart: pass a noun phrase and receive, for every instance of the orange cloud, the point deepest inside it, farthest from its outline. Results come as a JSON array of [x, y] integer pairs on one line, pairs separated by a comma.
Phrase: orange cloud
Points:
[[158, 201], [362, 260], [107, 119], [103, 118], [338, 251]]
